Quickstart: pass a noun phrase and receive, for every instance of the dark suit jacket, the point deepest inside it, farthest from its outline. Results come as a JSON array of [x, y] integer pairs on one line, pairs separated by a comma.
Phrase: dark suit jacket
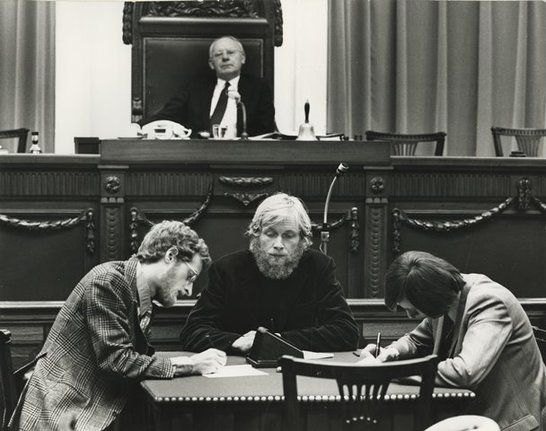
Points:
[[308, 308], [492, 351], [191, 108], [92, 357]]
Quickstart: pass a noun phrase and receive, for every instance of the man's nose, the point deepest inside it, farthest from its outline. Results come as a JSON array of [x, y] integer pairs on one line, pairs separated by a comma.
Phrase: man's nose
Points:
[[187, 289], [278, 244]]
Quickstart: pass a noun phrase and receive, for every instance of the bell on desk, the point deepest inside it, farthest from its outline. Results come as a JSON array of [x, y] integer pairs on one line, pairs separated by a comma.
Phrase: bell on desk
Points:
[[307, 132]]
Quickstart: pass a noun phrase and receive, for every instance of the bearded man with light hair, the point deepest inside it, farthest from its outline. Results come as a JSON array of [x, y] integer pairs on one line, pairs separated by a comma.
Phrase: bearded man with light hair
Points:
[[279, 283]]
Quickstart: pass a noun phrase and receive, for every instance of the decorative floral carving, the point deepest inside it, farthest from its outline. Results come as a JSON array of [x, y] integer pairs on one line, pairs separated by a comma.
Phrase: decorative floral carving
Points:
[[400, 216], [246, 181], [137, 217], [127, 32], [136, 109], [225, 8], [246, 198], [355, 230], [377, 185], [86, 217], [524, 194], [112, 184]]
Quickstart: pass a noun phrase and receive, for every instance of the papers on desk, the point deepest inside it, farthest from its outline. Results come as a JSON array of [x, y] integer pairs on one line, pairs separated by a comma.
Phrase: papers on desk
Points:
[[316, 355], [236, 371]]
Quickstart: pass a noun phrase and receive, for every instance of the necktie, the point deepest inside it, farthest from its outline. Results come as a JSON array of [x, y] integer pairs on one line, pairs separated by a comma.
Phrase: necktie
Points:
[[220, 109]]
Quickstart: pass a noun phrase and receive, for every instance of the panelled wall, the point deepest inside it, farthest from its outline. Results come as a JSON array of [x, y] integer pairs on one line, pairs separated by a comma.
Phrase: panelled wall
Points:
[[61, 215]]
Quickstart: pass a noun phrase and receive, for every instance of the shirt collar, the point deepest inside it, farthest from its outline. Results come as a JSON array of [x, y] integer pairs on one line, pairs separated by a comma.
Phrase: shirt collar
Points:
[[145, 301], [233, 83]]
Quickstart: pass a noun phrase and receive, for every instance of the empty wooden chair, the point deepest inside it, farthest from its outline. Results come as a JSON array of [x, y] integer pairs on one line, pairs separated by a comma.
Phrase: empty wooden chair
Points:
[[528, 141], [406, 145], [20, 134], [362, 388]]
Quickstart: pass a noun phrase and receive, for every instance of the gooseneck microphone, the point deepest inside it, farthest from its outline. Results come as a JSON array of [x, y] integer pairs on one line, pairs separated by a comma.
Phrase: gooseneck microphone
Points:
[[325, 233], [237, 97]]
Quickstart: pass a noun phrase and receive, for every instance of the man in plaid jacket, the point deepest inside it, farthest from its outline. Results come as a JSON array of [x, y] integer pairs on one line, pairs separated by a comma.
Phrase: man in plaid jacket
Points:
[[98, 350]]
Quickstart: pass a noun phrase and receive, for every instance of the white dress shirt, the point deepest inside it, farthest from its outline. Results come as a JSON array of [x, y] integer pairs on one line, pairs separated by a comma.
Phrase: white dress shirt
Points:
[[230, 116]]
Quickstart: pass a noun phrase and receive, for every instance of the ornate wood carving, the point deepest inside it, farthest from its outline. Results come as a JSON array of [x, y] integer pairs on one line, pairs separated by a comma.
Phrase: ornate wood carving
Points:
[[112, 184], [90, 231], [270, 9], [246, 198], [317, 227], [246, 181], [355, 230], [86, 217], [113, 240], [540, 204], [375, 215], [138, 217], [524, 194], [377, 185]]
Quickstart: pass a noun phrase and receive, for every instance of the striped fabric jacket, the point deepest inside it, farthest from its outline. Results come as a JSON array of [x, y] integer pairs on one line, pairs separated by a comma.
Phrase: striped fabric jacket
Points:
[[92, 357]]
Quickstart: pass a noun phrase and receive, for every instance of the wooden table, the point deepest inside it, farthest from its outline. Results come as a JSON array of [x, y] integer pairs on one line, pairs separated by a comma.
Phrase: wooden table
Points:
[[257, 402]]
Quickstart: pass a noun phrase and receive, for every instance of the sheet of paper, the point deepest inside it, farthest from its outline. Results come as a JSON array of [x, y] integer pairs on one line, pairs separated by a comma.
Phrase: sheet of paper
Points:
[[317, 355], [236, 371]]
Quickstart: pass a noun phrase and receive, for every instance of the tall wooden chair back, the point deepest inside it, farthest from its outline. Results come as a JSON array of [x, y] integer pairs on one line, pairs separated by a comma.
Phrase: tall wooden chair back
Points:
[[406, 145], [362, 389], [20, 135], [528, 141], [8, 391]]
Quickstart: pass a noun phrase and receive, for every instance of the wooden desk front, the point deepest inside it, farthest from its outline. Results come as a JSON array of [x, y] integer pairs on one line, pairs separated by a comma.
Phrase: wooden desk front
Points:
[[257, 402]]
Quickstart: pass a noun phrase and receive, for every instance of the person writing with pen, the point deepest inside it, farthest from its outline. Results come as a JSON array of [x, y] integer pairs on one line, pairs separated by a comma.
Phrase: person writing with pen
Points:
[[480, 332], [278, 283]]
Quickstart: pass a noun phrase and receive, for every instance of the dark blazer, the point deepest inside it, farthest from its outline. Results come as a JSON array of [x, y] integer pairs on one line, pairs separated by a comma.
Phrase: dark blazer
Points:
[[492, 351], [191, 108], [308, 308], [92, 357]]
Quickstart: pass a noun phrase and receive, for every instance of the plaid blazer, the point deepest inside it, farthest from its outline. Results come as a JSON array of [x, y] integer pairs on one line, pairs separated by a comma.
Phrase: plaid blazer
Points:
[[93, 356]]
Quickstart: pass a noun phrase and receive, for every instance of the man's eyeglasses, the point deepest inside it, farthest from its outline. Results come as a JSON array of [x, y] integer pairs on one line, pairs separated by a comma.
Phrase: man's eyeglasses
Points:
[[192, 275]]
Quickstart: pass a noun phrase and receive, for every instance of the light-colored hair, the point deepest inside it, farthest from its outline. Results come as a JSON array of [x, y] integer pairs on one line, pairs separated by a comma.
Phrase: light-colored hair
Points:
[[234, 39], [170, 233], [278, 207]]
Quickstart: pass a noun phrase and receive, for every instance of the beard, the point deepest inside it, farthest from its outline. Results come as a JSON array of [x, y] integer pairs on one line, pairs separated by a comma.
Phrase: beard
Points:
[[274, 267]]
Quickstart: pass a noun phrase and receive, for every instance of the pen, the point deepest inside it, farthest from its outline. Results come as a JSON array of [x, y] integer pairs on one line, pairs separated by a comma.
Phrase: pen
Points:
[[378, 344]]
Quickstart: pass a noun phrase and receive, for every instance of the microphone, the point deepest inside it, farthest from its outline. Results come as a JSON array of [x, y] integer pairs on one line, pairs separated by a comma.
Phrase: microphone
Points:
[[237, 97], [325, 233]]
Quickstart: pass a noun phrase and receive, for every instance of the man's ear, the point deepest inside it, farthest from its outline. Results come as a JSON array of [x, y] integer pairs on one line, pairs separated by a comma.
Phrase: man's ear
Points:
[[243, 59], [171, 254], [211, 64]]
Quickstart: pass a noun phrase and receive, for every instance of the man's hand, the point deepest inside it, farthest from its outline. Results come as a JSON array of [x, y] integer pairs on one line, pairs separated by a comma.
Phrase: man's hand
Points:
[[207, 362], [385, 355], [244, 343]]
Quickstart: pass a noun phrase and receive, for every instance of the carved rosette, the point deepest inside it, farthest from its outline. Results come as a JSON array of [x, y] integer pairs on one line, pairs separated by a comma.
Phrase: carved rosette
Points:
[[377, 185], [86, 217], [137, 217], [112, 184]]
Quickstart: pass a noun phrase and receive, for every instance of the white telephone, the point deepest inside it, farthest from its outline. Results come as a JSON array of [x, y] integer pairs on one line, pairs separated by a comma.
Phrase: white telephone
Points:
[[165, 129]]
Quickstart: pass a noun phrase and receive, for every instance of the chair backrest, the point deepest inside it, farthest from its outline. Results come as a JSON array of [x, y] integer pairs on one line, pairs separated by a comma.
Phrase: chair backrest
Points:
[[540, 336], [405, 145], [8, 392], [362, 388], [170, 43], [528, 141], [21, 135]]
